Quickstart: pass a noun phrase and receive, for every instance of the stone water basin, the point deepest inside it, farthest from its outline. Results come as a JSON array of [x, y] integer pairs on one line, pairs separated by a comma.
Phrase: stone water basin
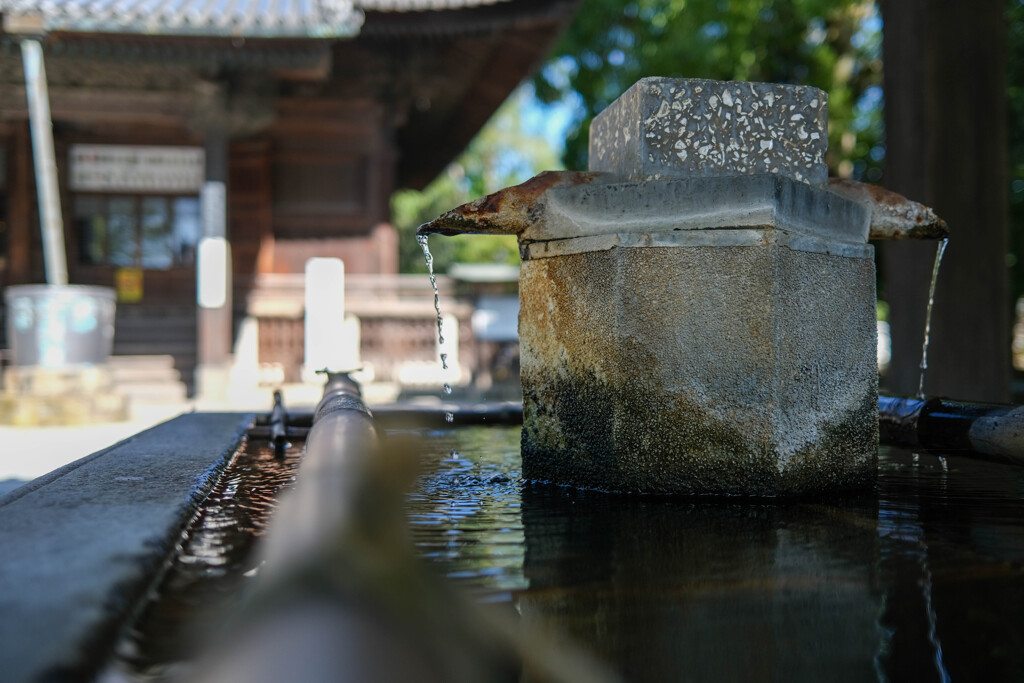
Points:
[[921, 578]]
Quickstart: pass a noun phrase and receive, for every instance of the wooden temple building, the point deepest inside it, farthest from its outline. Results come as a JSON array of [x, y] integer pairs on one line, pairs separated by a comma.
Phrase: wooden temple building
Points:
[[281, 127]]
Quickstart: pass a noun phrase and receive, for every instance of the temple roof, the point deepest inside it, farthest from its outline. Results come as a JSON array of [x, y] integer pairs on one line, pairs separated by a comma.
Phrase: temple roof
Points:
[[236, 18], [442, 66]]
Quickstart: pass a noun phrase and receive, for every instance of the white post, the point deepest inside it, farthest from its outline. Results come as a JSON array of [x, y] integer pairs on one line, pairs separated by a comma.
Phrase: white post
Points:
[[213, 268], [325, 316], [41, 124]]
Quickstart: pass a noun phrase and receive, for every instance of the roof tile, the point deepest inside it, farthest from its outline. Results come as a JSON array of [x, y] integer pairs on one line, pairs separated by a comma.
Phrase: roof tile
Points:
[[251, 18]]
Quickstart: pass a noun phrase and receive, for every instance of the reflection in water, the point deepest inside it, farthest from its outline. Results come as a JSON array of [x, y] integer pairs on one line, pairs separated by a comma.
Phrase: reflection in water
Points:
[[669, 590], [953, 561], [212, 564], [922, 580], [465, 514]]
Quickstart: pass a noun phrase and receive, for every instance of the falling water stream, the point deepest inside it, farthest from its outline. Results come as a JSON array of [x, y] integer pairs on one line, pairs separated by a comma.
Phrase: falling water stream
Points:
[[428, 257], [928, 314]]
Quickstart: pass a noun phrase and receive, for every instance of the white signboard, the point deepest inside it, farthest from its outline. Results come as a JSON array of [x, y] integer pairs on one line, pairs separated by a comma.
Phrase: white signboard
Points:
[[133, 168]]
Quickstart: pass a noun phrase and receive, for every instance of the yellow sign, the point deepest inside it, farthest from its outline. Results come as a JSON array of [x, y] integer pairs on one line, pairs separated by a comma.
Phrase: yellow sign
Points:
[[129, 285]]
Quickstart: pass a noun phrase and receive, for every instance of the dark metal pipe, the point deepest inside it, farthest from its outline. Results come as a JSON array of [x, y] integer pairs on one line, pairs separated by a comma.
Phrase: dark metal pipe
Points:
[[279, 426], [341, 594], [339, 447], [986, 430], [419, 417]]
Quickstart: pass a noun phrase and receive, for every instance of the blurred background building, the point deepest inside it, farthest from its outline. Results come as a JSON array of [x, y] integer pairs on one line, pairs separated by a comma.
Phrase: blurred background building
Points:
[[283, 128]]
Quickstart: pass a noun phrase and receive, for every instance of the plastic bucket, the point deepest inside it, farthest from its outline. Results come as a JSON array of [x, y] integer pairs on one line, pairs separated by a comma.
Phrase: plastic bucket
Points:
[[59, 325]]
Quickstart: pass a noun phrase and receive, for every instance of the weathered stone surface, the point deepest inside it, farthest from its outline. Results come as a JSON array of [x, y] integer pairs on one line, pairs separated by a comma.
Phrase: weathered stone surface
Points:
[[699, 370], [697, 312], [664, 127], [79, 546], [557, 205], [691, 204]]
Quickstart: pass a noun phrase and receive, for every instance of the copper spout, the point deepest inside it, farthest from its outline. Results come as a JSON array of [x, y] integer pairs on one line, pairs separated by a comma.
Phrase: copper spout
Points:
[[506, 212], [893, 216]]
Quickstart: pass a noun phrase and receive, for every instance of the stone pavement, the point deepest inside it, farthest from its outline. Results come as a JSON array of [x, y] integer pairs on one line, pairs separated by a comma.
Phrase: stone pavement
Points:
[[29, 452], [81, 545]]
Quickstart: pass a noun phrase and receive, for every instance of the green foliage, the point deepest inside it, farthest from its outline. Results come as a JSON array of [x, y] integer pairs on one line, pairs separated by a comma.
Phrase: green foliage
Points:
[[831, 44], [504, 153]]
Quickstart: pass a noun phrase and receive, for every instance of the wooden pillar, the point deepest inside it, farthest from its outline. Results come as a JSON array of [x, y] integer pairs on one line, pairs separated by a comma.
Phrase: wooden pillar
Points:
[[946, 132], [213, 272], [20, 191]]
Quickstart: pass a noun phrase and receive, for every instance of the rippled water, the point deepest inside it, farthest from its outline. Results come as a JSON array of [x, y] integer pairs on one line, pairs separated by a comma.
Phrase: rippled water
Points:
[[465, 514], [209, 569], [922, 579]]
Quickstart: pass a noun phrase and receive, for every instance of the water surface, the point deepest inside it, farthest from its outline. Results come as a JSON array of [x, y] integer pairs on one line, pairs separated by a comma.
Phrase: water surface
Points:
[[205, 578], [922, 578]]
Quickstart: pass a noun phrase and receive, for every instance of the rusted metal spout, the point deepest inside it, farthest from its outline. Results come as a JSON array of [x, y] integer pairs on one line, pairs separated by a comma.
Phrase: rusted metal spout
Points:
[[505, 212], [514, 210], [893, 216]]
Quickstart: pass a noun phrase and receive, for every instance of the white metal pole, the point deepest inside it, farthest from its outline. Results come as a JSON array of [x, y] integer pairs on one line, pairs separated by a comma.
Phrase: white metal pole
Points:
[[50, 218]]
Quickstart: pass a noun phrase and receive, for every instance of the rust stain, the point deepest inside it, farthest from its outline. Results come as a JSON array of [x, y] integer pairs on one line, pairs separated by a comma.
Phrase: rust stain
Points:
[[506, 212], [893, 216], [877, 193]]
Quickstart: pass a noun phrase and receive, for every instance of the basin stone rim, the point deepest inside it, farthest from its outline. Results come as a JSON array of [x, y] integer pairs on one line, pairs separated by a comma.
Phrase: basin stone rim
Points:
[[761, 236]]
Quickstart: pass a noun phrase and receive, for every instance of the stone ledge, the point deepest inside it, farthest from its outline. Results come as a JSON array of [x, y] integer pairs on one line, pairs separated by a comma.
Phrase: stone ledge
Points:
[[723, 237], [80, 546], [733, 201]]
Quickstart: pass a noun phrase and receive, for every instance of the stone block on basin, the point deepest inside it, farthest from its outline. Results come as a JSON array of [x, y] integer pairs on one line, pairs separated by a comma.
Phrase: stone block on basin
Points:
[[670, 127]]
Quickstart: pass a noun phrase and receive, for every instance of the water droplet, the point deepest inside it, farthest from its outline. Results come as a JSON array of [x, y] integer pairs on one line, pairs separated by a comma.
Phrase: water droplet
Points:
[[447, 388], [454, 454], [444, 361], [449, 417]]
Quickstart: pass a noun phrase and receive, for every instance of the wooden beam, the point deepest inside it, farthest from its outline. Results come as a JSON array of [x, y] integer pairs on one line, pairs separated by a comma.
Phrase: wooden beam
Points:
[[431, 139], [103, 106]]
